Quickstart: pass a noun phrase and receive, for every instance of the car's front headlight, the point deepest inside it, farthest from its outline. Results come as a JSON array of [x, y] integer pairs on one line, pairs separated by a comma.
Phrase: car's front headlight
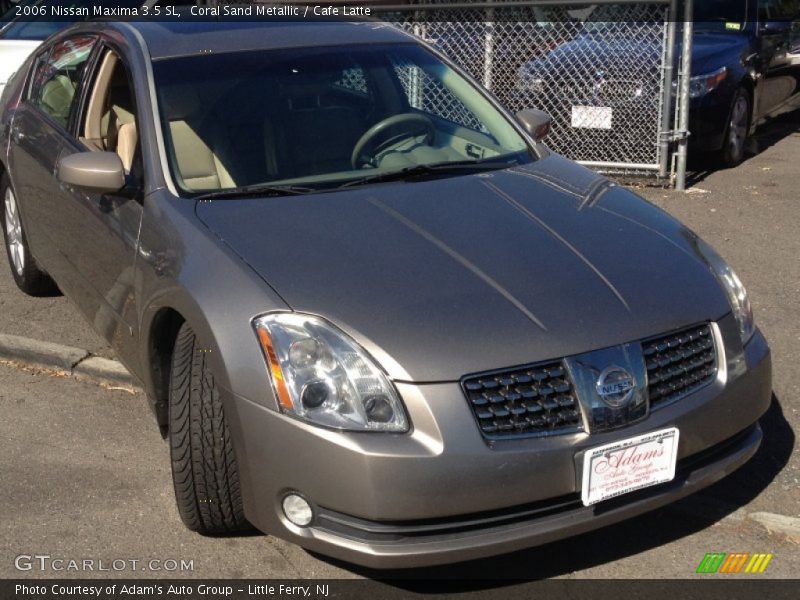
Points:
[[321, 375], [700, 85], [737, 294]]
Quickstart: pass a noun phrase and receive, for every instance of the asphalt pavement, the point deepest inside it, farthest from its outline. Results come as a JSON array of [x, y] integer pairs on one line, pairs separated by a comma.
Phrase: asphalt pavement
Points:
[[53, 319], [85, 472]]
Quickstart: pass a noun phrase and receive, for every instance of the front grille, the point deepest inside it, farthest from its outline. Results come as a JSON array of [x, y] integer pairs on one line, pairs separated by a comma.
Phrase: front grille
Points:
[[538, 399], [679, 364]]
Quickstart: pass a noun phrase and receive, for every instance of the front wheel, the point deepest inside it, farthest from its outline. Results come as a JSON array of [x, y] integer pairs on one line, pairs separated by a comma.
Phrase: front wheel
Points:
[[732, 153], [27, 275], [204, 470]]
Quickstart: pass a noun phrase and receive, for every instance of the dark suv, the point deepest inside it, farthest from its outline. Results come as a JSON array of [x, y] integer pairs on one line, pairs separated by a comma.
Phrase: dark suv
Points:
[[745, 69]]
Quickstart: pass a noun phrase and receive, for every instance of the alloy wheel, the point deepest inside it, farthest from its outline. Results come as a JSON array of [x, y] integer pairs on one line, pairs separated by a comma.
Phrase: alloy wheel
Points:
[[16, 248], [737, 131]]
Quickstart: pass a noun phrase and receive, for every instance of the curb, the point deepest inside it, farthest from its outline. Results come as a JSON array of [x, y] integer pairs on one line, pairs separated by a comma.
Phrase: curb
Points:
[[773, 523], [103, 370], [42, 354], [76, 362]]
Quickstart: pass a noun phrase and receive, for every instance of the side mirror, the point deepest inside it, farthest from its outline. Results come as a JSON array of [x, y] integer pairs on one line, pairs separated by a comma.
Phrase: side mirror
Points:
[[96, 172], [536, 122]]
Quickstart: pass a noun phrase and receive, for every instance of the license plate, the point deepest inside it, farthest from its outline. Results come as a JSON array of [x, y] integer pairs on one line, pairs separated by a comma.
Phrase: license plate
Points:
[[592, 117], [629, 465]]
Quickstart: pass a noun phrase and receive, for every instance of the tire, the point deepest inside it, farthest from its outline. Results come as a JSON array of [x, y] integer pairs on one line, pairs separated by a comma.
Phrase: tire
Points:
[[204, 470], [736, 131], [28, 276]]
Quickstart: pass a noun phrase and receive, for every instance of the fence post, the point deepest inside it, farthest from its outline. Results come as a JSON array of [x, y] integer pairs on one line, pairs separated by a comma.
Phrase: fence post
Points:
[[421, 31], [488, 49], [667, 116], [683, 95]]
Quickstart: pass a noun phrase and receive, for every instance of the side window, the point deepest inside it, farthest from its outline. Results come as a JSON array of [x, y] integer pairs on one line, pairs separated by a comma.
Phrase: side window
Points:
[[778, 10], [58, 76], [430, 95], [109, 122]]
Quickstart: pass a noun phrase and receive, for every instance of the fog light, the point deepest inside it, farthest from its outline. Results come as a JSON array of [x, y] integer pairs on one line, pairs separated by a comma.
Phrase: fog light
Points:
[[298, 510]]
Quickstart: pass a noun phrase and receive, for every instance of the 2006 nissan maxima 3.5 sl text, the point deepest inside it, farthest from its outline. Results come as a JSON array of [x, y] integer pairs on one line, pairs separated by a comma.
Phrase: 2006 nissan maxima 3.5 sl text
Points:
[[373, 313]]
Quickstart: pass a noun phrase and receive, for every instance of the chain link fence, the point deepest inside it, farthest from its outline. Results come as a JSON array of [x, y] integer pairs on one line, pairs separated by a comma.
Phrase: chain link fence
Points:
[[602, 71]]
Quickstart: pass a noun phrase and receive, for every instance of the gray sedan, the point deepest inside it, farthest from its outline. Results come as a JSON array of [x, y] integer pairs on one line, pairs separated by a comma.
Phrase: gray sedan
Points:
[[374, 315]]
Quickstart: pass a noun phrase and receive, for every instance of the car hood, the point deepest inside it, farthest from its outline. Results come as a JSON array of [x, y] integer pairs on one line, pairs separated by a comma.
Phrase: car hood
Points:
[[595, 52], [12, 54], [711, 51], [459, 275], [612, 54]]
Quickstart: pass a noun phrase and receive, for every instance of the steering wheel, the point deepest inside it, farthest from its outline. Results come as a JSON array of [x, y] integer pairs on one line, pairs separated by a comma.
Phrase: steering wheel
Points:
[[412, 124]]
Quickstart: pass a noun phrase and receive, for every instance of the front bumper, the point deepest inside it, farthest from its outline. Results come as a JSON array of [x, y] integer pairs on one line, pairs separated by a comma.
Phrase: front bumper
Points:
[[708, 119], [441, 494]]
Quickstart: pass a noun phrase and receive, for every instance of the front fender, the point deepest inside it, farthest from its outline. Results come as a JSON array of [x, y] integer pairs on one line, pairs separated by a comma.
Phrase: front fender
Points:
[[183, 267]]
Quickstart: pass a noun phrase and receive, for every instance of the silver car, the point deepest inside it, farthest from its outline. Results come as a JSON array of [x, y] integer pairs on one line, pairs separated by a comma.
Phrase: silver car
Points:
[[374, 315]]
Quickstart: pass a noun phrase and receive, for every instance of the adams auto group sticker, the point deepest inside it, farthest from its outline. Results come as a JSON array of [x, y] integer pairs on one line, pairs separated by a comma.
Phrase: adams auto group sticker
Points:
[[629, 465]]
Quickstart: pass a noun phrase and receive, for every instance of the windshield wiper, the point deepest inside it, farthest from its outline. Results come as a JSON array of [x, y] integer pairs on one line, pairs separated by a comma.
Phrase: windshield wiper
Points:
[[247, 191], [433, 169]]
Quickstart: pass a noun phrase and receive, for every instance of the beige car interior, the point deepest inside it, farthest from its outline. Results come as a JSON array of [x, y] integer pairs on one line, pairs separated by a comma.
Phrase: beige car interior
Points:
[[110, 124], [301, 135], [306, 133], [302, 125], [199, 166]]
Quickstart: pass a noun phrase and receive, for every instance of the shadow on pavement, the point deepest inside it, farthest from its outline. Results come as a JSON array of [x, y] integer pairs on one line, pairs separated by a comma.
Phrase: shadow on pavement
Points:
[[615, 542], [702, 165]]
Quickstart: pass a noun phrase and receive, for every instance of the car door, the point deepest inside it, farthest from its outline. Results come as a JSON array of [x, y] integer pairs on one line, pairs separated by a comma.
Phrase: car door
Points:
[[106, 226], [39, 137], [780, 88]]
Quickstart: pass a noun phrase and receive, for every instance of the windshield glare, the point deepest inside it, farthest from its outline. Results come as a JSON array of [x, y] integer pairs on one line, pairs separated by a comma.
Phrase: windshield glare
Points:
[[322, 117]]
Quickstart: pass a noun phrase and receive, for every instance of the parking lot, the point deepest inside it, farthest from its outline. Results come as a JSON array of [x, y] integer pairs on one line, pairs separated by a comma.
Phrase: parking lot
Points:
[[86, 474]]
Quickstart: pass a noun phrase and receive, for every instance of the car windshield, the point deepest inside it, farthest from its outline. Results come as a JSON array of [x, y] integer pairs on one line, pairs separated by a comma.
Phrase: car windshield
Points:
[[324, 117], [720, 15]]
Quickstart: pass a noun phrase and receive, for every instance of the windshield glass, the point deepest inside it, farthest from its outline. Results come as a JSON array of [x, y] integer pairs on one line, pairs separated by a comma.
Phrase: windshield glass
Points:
[[720, 15], [322, 117]]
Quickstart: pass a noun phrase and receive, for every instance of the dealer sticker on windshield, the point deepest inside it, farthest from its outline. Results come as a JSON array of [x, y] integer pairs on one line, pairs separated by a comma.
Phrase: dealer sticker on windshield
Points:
[[592, 117], [629, 465]]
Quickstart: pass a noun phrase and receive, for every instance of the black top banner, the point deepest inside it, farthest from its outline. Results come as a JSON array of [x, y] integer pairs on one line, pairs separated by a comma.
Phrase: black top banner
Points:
[[733, 14]]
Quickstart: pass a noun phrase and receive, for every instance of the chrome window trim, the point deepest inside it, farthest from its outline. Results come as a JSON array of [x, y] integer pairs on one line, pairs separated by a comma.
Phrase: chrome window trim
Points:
[[154, 109]]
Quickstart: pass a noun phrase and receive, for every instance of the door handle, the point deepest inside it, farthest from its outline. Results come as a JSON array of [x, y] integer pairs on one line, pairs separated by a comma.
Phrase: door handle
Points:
[[18, 136]]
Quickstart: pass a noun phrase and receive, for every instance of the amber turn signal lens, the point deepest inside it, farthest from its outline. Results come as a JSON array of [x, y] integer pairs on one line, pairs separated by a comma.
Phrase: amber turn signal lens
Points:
[[275, 369]]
